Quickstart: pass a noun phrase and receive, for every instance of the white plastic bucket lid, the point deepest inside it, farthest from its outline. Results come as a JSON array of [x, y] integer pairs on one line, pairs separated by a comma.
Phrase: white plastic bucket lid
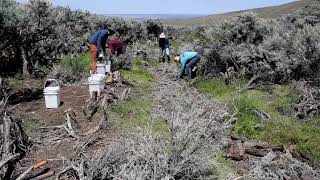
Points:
[[101, 64], [99, 76], [51, 88], [96, 78], [54, 89]]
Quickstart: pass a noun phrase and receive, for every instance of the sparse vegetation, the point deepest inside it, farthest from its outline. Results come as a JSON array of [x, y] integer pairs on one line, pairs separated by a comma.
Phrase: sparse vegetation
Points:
[[165, 129], [280, 128], [73, 68], [136, 111]]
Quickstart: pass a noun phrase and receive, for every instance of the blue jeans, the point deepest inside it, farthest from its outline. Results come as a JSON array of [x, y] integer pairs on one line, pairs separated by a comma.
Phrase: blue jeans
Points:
[[191, 64]]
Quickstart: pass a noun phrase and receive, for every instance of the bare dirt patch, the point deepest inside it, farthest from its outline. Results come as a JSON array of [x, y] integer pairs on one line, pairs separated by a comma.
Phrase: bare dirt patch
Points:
[[49, 138]]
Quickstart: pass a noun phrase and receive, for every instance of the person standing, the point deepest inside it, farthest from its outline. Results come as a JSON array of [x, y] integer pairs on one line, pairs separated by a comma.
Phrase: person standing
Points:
[[97, 45], [164, 47], [186, 62]]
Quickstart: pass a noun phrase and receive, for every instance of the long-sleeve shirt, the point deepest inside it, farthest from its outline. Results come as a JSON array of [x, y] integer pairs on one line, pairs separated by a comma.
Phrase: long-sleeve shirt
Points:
[[184, 59], [164, 43], [115, 44], [100, 38]]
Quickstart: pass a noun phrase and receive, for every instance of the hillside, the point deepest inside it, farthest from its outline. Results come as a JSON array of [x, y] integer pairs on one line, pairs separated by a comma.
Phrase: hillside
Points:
[[267, 12]]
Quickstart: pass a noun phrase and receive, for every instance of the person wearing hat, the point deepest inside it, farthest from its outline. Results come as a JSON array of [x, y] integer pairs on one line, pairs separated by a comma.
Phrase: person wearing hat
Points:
[[97, 45], [186, 61], [164, 47]]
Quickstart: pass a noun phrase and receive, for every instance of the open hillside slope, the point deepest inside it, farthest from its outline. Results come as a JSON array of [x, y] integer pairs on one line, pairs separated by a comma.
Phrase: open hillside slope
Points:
[[267, 12]]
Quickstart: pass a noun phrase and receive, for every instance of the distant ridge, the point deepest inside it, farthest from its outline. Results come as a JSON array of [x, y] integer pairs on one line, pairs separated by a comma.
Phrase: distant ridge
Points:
[[266, 12], [155, 16]]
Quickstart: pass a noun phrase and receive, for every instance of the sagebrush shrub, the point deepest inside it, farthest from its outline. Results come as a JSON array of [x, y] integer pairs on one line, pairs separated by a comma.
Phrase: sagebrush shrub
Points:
[[275, 50]]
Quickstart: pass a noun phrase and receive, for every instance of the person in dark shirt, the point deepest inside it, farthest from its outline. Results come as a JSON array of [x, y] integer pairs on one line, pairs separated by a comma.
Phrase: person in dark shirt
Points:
[[118, 46], [164, 47], [97, 44]]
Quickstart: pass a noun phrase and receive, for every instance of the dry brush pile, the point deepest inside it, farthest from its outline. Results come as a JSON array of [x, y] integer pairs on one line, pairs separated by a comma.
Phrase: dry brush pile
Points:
[[252, 159], [13, 141]]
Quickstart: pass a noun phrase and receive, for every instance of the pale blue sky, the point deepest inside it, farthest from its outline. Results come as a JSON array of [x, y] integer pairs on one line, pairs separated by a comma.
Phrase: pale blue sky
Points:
[[164, 6]]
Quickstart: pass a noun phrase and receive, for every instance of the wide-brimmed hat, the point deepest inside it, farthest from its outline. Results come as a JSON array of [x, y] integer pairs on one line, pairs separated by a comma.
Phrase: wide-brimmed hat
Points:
[[177, 60], [162, 35]]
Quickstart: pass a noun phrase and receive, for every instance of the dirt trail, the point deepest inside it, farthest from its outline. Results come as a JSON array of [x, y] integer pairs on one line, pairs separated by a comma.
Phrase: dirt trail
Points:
[[170, 96], [177, 97], [177, 101]]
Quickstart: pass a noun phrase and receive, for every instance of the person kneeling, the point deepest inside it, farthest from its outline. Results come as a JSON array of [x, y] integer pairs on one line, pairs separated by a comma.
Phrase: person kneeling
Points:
[[186, 62]]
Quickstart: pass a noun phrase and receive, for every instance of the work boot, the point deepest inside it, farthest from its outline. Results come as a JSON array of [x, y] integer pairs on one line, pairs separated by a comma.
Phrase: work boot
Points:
[[169, 59]]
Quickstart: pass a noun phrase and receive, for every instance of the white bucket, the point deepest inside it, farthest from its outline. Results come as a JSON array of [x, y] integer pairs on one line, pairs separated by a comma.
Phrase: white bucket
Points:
[[101, 68], [108, 67], [96, 83], [52, 95]]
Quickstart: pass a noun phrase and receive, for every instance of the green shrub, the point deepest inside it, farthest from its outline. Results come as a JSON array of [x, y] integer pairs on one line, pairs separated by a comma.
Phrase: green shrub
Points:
[[76, 63], [276, 50]]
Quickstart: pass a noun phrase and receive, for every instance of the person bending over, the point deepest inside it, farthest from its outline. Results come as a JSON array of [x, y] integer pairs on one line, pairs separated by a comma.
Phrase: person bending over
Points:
[[186, 62], [117, 46], [97, 45]]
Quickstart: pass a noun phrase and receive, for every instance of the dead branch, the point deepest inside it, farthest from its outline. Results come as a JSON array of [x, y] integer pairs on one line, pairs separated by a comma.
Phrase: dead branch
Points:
[[250, 82], [125, 93], [79, 169], [5, 161], [24, 174], [33, 167], [44, 176], [68, 125]]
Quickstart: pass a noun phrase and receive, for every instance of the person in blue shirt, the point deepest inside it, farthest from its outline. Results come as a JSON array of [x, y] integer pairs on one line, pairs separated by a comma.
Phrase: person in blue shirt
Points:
[[97, 43], [186, 62]]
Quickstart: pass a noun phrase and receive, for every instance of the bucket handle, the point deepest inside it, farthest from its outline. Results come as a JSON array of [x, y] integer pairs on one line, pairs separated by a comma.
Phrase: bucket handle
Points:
[[50, 80]]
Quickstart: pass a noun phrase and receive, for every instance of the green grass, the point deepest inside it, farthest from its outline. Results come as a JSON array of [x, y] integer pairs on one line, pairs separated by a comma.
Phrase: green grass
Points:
[[222, 167], [153, 63], [77, 63], [175, 44], [32, 125], [136, 111], [280, 129]]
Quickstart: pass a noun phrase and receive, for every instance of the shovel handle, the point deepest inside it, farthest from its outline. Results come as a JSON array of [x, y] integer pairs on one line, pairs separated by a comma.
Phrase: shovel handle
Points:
[[44, 176], [39, 164]]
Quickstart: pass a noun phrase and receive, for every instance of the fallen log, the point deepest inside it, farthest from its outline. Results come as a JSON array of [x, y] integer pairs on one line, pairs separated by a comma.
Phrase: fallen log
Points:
[[237, 150]]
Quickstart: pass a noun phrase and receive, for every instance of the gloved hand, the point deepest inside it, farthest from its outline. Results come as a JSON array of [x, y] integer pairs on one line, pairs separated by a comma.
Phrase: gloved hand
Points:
[[177, 78], [100, 55]]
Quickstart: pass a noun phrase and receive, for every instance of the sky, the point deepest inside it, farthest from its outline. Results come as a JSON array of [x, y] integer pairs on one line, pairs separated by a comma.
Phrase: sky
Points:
[[164, 6]]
